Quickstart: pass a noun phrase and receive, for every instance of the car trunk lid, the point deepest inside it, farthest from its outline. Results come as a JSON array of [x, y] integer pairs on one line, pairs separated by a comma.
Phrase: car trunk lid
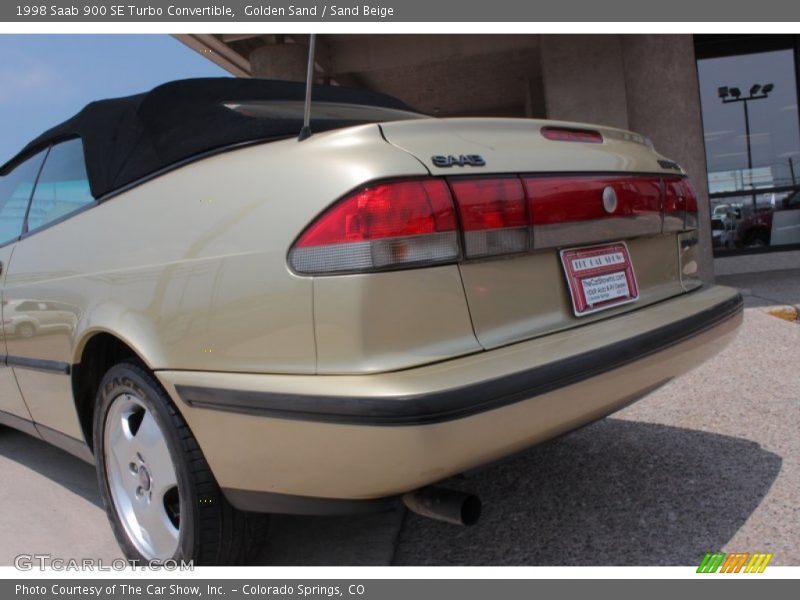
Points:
[[589, 191]]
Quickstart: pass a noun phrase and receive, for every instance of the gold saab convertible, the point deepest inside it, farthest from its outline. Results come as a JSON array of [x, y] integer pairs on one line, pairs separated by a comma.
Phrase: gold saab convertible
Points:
[[230, 320]]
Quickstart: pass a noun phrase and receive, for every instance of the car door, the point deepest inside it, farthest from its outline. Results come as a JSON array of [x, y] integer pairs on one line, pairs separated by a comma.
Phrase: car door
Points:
[[16, 188], [42, 362]]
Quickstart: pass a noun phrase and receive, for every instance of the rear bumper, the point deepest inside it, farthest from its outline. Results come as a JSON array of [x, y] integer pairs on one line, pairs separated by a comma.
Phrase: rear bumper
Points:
[[360, 437]]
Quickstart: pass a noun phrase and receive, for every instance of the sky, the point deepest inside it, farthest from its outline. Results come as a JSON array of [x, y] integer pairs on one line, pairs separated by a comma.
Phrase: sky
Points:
[[45, 79]]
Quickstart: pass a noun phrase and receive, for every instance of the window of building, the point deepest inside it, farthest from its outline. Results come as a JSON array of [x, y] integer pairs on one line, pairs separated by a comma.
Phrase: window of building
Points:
[[749, 97]]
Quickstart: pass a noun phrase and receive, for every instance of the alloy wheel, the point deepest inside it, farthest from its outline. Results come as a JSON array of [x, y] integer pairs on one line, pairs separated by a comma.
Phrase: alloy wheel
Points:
[[141, 477]]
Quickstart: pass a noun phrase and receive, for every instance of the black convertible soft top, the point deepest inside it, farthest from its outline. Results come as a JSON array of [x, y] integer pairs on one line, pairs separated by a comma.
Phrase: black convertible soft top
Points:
[[125, 139]]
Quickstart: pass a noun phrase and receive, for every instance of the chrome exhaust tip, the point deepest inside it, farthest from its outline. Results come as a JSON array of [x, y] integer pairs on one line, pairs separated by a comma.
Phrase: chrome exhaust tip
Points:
[[442, 504]]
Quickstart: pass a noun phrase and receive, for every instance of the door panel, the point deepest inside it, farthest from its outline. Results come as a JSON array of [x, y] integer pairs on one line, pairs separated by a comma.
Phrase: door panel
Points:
[[45, 301], [16, 188], [12, 407], [41, 355], [49, 398], [41, 352]]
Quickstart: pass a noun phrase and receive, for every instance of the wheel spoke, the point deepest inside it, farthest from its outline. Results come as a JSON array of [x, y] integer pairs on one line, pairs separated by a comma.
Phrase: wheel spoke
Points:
[[151, 442], [157, 530], [122, 447], [163, 476]]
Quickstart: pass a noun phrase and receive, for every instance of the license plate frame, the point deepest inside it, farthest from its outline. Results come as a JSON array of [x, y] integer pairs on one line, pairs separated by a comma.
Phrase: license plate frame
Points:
[[599, 277]]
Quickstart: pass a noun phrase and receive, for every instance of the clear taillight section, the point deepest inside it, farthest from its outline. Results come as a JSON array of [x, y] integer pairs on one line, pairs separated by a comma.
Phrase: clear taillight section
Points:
[[431, 221]]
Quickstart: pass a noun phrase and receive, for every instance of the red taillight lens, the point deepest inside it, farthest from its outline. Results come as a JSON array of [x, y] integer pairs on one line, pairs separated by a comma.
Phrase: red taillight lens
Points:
[[691, 205], [494, 215], [556, 200], [674, 201], [386, 210], [680, 199], [386, 226], [569, 134]]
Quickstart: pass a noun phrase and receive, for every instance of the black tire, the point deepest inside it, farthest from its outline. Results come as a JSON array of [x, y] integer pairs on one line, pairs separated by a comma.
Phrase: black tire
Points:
[[758, 239], [211, 531]]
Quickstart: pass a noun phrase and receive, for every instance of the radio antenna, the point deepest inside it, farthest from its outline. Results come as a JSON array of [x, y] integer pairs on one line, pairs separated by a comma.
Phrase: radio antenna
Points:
[[305, 132]]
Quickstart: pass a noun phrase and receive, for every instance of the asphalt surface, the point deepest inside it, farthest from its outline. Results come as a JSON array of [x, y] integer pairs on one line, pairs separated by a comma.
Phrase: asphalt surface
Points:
[[710, 461]]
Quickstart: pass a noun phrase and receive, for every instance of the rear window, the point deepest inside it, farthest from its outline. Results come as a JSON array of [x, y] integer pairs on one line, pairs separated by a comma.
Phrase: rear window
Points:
[[717, 225], [63, 186], [15, 193], [324, 114]]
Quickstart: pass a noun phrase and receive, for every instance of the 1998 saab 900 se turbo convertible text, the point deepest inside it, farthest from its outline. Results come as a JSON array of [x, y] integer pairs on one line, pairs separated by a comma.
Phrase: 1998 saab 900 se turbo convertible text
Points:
[[229, 321]]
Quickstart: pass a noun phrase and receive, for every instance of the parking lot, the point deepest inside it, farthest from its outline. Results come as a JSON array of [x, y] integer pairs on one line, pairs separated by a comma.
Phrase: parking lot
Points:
[[709, 462]]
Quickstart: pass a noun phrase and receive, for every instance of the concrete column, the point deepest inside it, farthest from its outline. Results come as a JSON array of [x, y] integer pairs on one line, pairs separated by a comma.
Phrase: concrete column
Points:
[[646, 83], [663, 101], [534, 99], [280, 61], [584, 79]]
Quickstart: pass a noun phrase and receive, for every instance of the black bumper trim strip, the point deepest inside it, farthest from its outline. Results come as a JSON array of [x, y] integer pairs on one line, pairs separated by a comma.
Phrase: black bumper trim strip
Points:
[[48, 366], [460, 402]]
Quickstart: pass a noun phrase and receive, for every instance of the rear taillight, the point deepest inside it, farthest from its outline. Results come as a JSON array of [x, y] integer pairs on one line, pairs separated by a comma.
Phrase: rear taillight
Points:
[[494, 216], [557, 200], [691, 205], [680, 199], [428, 221], [570, 134], [386, 226]]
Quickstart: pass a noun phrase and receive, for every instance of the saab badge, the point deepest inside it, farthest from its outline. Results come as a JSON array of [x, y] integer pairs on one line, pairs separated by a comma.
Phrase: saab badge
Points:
[[609, 199], [462, 160]]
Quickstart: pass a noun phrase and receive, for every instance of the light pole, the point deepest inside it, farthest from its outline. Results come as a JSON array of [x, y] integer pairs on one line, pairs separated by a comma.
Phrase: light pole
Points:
[[734, 94]]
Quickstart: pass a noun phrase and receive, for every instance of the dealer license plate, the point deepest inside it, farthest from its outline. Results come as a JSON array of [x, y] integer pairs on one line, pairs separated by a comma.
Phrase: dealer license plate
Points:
[[599, 277]]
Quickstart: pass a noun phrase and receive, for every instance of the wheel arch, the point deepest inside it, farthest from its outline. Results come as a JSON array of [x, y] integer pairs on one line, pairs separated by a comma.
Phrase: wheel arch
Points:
[[26, 321], [97, 351]]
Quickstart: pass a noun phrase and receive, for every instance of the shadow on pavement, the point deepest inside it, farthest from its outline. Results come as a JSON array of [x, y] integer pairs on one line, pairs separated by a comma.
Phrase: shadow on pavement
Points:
[[60, 467], [615, 493], [765, 288], [332, 541]]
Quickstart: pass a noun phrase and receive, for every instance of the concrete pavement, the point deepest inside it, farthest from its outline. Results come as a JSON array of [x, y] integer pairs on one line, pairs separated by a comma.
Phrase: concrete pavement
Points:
[[50, 503], [766, 289]]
